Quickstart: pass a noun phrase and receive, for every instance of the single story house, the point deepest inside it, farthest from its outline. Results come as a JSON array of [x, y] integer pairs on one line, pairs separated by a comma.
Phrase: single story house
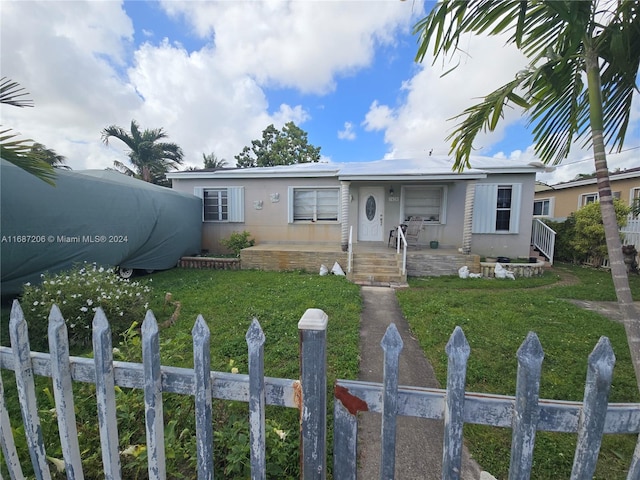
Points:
[[557, 202], [485, 210]]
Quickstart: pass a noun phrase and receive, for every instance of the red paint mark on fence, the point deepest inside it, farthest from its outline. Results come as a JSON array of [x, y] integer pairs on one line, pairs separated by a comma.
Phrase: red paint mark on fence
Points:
[[352, 403]]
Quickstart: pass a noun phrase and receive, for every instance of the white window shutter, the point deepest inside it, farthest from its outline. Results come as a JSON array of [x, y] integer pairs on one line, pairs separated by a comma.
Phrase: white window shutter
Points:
[[236, 204], [199, 192], [484, 211], [290, 200], [516, 202]]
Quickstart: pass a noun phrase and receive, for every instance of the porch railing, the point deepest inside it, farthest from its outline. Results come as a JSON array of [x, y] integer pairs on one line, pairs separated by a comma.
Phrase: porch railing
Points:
[[543, 238], [402, 241], [350, 251]]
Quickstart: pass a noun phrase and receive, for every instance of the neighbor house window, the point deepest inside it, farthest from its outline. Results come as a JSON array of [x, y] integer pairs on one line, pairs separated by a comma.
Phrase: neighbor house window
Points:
[[541, 207], [313, 204], [588, 198], [425, 202], [634, 200], [221, 204], [497, 208]]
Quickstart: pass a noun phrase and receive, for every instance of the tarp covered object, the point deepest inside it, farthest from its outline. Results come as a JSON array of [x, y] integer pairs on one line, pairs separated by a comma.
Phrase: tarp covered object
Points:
[[96, 216]]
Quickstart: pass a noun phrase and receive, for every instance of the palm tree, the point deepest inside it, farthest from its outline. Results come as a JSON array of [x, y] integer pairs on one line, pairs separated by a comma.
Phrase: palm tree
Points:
[[20, 151], [49, 156], [566, 42], [151, 159], [212, 161]]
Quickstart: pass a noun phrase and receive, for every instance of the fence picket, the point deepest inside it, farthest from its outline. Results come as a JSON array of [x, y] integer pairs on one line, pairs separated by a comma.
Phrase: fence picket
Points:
[[27, 392], [313, 378], [6, 440], [392, 345], [526, 412], [457, 350], [106, 398], [255, 343], [202, 373], [345, 438], [634, 467], [153, 410], [596, 394], [63, 394]]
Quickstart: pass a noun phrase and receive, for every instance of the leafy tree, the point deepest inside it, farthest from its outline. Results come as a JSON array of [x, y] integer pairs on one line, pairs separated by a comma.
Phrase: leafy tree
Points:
[[277, 147], [150, 158], [589, 237], [21, 152], [49, 156], [567, 42], [212, 161]]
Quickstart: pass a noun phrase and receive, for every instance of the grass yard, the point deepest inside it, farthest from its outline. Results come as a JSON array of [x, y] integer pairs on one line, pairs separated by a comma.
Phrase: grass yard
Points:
[[496, 317]]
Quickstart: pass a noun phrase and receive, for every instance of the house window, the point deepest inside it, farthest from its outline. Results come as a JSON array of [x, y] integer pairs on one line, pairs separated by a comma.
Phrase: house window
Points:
[[313, 204], [503, 208], [221, 204], [541, 207], [497, 208], [425, 202], [216, 205], [588, 198]]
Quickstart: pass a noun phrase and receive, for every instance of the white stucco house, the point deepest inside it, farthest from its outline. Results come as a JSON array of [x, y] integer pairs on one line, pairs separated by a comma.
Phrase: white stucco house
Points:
[[486, 210]]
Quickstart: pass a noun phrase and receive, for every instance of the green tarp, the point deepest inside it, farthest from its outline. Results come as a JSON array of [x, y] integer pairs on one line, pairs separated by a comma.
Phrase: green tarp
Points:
[[96, 216]]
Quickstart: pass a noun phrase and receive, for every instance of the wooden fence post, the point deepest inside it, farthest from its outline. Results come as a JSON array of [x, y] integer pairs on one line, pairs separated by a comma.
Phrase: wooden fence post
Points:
[[255, 343], [458, 352], [204, 410], [392, 345], [313, 376]]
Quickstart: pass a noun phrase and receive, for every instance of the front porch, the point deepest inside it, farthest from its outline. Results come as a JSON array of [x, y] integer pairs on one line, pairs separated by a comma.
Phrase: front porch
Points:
[[372, 263]]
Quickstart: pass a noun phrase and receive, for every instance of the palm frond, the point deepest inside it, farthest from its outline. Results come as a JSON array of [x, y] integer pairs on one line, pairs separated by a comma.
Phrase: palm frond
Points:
[[12, 93], [18, 152]]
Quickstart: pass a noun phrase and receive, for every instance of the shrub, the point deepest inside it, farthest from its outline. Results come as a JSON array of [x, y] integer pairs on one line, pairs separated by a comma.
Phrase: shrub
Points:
[[589, 238], [237, 241], [78, 293]]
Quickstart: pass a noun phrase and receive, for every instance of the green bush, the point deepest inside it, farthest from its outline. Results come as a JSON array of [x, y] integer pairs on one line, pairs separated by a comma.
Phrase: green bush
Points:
[[589, 239], [78, 293], [237, 241]]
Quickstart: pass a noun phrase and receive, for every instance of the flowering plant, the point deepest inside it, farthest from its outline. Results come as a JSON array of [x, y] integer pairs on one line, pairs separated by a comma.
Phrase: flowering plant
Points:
[[78, 293]]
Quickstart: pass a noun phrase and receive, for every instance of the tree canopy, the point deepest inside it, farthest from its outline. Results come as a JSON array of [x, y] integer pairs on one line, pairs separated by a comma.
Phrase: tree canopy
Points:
[[279, 147], [22, 152], [578, 87], [151, 159], [212, 161]]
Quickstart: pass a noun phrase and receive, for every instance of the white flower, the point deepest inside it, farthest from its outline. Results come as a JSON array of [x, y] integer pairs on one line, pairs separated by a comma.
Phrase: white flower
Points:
[[59, 464], [28, 284], [36, 303], [281, 433], [234, 370], [89, 302], [83, 309]]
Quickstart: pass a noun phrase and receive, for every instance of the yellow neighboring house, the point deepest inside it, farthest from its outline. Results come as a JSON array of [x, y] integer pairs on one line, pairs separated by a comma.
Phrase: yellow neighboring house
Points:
[[556, 202]]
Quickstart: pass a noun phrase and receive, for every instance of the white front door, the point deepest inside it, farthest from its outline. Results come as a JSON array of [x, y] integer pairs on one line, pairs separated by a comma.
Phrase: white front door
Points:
[[371, 214]]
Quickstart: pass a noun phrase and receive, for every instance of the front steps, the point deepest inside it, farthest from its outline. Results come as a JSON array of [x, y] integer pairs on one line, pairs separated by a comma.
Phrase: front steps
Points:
[[380, 269]]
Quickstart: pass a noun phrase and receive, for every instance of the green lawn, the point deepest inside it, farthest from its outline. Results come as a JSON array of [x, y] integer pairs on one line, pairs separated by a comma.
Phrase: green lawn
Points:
[[496, 317]]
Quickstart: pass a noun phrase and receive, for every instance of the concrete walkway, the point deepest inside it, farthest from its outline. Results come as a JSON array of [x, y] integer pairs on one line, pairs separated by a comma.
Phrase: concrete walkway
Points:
[[419, 441]]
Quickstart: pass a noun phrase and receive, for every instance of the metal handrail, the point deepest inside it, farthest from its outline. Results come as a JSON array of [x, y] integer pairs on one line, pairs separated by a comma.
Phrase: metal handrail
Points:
[[350, 256], [543, 238], [402, 240]]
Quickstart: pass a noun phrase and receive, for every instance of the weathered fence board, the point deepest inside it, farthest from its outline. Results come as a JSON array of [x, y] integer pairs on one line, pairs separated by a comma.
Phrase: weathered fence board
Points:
[[524, 413]]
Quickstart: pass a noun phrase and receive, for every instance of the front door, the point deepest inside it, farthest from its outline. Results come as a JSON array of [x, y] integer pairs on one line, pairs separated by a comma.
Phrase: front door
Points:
[[371, 214]]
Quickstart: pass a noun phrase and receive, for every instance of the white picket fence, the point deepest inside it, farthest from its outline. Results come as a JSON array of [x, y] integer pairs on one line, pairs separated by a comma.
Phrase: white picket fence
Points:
[[524, 413]]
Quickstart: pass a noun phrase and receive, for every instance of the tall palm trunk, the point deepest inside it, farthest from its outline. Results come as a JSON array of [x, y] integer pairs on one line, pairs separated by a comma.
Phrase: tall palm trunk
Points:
[[614, 246]]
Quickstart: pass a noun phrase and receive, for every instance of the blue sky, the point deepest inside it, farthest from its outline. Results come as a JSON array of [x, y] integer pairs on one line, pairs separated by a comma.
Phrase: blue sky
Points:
[[215, 74]]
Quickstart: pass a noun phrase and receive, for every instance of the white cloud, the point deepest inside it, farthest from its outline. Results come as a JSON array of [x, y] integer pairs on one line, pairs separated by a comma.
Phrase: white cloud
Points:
[[347, 133], [79, 63], [422, 122]]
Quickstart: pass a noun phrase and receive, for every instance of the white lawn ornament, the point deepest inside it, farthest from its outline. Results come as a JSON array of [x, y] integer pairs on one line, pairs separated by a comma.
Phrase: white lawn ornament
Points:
[[475, 275], [337, 269], [463, 272], [502, 272], [324, 270]]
